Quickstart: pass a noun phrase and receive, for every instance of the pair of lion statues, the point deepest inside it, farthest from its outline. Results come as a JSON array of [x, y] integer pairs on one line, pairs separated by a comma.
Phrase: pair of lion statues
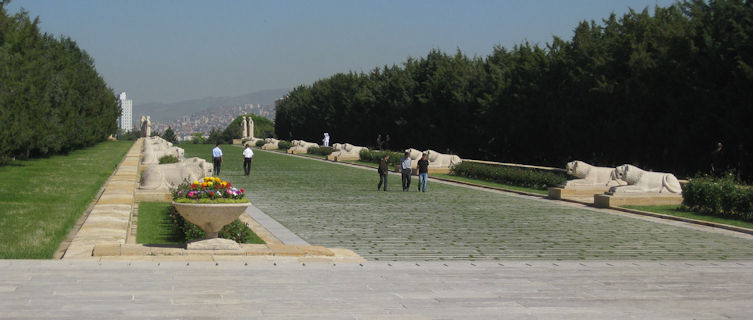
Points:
[[623, 179]]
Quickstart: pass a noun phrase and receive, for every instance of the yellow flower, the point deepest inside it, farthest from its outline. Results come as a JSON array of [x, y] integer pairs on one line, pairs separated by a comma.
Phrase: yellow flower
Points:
[[224, 183], [209, 184], [207, 178], [196, 182], [217, 179]]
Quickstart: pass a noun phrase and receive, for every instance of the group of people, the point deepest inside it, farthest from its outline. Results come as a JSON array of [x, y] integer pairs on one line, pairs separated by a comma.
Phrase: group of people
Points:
[[248, 157], [406, 171], [383, 170]]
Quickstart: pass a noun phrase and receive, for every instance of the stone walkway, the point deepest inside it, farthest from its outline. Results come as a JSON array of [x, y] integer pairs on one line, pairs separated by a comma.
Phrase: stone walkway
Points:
[[64, 289], [330, 205], [108, 222]]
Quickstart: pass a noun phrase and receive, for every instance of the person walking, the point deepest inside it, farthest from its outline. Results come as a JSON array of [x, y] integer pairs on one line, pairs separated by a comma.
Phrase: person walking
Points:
[[248, 156], [383, 171], [217, 159], [405, 170], [423, 173]]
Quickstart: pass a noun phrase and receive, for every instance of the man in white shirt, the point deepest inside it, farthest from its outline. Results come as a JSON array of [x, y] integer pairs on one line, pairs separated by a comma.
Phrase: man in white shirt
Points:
[[248, 156], [217, 159], [405, 169]]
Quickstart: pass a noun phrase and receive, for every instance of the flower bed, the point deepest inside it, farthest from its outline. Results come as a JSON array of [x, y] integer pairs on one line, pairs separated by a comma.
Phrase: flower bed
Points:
[[208, 190]]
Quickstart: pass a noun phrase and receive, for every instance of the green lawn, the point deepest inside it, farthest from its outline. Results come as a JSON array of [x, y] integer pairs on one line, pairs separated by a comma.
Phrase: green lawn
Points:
[[339, 206], [673, 210], [43, 198], [155, 225]]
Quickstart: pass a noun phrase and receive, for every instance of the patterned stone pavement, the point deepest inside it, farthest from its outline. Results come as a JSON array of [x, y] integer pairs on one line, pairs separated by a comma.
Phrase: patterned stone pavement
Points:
[[338, 206]]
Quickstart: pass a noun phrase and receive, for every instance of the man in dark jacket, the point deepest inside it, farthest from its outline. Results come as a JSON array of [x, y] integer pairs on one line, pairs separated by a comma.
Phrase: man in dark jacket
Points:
[[383, 171]]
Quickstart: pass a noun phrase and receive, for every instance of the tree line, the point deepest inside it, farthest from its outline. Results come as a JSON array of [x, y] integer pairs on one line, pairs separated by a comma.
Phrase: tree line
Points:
[[656, 89], [52, 100]]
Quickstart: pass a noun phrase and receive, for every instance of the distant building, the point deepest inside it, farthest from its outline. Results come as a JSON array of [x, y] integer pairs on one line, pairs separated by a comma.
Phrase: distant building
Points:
[[125, 121]]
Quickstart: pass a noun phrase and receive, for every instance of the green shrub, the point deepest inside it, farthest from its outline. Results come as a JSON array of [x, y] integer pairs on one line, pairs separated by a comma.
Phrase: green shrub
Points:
[[325, 151], [284, 145], [522, 177], [236, 230], [168, 159], [722, 197], [260, 143], [374, 156]]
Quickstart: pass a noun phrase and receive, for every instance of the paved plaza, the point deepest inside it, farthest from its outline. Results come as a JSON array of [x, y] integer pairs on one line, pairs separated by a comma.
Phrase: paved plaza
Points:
[[65, 289], [456, 252], [335, 206]]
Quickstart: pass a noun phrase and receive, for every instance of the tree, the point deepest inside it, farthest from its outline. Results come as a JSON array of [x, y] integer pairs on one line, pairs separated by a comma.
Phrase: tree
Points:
[[169, 135]]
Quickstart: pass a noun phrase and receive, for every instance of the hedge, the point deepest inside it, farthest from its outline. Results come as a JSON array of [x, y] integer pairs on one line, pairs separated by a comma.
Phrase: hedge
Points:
[[284, 145], [722, 197], [168, 159], [260, 143], [522, 177], [325, 151], [374, 156]]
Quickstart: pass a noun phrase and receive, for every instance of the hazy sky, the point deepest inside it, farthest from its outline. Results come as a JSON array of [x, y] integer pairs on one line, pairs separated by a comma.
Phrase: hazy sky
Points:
[[167, 51]]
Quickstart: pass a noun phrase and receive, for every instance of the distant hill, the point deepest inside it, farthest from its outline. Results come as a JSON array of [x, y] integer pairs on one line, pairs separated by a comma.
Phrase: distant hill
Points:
[[168, 112]]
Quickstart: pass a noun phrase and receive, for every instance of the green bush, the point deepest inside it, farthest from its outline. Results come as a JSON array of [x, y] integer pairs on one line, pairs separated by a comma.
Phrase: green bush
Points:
[[168, 159], [325, 151], [260, 143], [236, 230], [722, 197], [522, 177], [374, 156], [284, 145]]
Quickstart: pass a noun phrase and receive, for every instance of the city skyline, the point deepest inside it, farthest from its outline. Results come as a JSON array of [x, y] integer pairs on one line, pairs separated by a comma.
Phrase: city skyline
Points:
[[167, 51]]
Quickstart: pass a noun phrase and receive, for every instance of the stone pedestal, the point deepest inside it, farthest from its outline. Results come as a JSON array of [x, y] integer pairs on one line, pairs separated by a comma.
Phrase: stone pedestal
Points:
[[152, 195], [559, 193], [214, 244], [237, 141], [636, 199]]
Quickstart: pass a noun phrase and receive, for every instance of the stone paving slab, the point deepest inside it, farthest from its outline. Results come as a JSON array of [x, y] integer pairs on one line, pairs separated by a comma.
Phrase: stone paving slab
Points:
[[452, 222], [286, 289]]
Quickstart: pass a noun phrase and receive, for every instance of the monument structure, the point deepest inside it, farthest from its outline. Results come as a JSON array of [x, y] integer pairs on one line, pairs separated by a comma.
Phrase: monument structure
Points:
[[642, 188], [590, 180]]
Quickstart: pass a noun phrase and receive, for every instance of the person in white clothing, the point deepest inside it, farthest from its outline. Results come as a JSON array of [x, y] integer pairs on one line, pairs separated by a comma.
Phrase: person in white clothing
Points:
[[248, 156], [217, 159]]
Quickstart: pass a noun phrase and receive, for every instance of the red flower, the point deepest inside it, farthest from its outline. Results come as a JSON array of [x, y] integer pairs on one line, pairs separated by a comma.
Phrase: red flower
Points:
[[242, 191], [229, 185]]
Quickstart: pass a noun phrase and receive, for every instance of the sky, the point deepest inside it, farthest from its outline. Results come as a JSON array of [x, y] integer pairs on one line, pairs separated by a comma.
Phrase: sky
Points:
[[168, 51]]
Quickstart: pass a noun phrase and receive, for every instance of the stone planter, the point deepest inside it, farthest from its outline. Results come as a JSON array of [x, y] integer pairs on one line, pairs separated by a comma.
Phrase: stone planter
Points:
[[211, 217]]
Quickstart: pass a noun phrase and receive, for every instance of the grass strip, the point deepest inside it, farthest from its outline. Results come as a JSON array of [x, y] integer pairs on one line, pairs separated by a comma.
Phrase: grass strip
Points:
[[43, 198], [673, 210], [155, 226]]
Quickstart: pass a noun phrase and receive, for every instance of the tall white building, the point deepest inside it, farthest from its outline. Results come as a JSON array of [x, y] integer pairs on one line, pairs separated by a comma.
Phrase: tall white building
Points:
[[125, 121]]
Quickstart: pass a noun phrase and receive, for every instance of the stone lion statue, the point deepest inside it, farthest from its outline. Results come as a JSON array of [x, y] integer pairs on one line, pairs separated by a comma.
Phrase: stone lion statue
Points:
[[441, 160], [415, 155], [346, 151], [639, 180], [300, 146], [270, 144], [156, 148], [167, 176], [589, 175]]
